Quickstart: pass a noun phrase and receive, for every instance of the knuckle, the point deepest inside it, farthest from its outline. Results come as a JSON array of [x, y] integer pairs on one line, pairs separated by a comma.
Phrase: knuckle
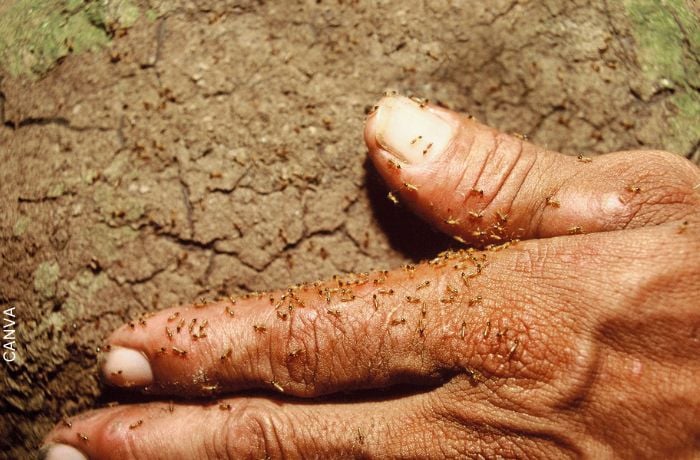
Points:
[[257, 429], [660, 187], [299, 358]]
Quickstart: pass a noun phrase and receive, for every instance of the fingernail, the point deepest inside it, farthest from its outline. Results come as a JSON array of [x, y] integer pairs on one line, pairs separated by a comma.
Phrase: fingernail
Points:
[[60, 452], [410, 131], [125, 367]]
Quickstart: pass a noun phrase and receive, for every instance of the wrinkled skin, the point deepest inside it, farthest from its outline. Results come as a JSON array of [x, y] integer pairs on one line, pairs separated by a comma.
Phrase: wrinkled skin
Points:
[[580, 339]]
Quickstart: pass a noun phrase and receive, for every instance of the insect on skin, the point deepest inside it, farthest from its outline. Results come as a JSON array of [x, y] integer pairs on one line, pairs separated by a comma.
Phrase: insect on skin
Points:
[[169, 333], [487, 329], [229, 311], [333, 312], [82, 436], [179, 351], [459, 239], [67, 423], [634, 188], [476, 214], [575, 230], [583, 159], [392, 197], [512, 348], [136, 424], [228, 353], [683, 227], [259, 328], [294, 354], [277, 386], [452, 221], [223, 406], [173, 316], [428, 147], [410, 187], [475, 300], [422, 285], [551, 201], [394, 164], [416, 139], [463, 330]]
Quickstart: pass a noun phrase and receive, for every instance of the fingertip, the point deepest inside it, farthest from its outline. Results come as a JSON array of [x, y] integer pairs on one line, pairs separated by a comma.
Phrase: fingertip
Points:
[[127, 368], [60, 452]]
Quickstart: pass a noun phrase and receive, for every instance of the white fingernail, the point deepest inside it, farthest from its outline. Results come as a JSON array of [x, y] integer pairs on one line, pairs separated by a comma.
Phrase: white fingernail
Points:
[[125, 367], [410, 131], [61, 452]]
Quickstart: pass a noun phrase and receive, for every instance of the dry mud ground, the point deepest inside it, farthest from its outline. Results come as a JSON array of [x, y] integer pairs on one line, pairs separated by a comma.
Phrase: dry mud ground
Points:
[[214, 147]]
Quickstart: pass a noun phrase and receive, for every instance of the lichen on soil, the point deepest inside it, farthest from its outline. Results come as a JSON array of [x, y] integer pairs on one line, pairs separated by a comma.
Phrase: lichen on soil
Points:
[[156, 152]]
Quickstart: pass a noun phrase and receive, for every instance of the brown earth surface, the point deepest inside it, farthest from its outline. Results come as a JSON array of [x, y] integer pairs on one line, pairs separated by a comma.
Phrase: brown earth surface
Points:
[[218, 149]]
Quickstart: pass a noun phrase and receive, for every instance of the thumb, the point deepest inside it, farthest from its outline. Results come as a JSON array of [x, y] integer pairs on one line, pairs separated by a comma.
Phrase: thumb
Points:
[[483, 186]]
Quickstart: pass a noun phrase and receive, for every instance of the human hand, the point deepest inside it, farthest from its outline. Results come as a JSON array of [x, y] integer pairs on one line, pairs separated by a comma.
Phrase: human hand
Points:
[[583, 338]]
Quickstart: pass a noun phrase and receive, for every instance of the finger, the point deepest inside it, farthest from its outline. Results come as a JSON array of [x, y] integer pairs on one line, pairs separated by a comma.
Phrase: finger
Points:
[[367, 331], [240, 428], [483, 186]]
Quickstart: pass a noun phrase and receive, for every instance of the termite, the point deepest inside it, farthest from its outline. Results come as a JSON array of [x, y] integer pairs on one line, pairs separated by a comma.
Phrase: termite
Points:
[[410, 187], [161, 351], [229, 311], [202, 302], [294, 354], [67, 423], [283, 315], [259, 328], [416, 139], [463, 329], [477, 191], [179, 351], [223, 406], [375, 301], [421, 327], [393, 164], [551, 201], [459, 239], [392, 197], [228, 353], [136, 424], [452, 221], [395, 322], [502, 216], [583, 159], [487, 329], [173, 316], [232, 300], [386, 291], [333, 312], [513, 348], [424, 284], [192, 324], [682, 228], [634, 188], [476, 214], [277, 386], [180, 325], [83, 437], [475, 300], [169, 333], [411, 299], [425, 150], [575, 230]]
